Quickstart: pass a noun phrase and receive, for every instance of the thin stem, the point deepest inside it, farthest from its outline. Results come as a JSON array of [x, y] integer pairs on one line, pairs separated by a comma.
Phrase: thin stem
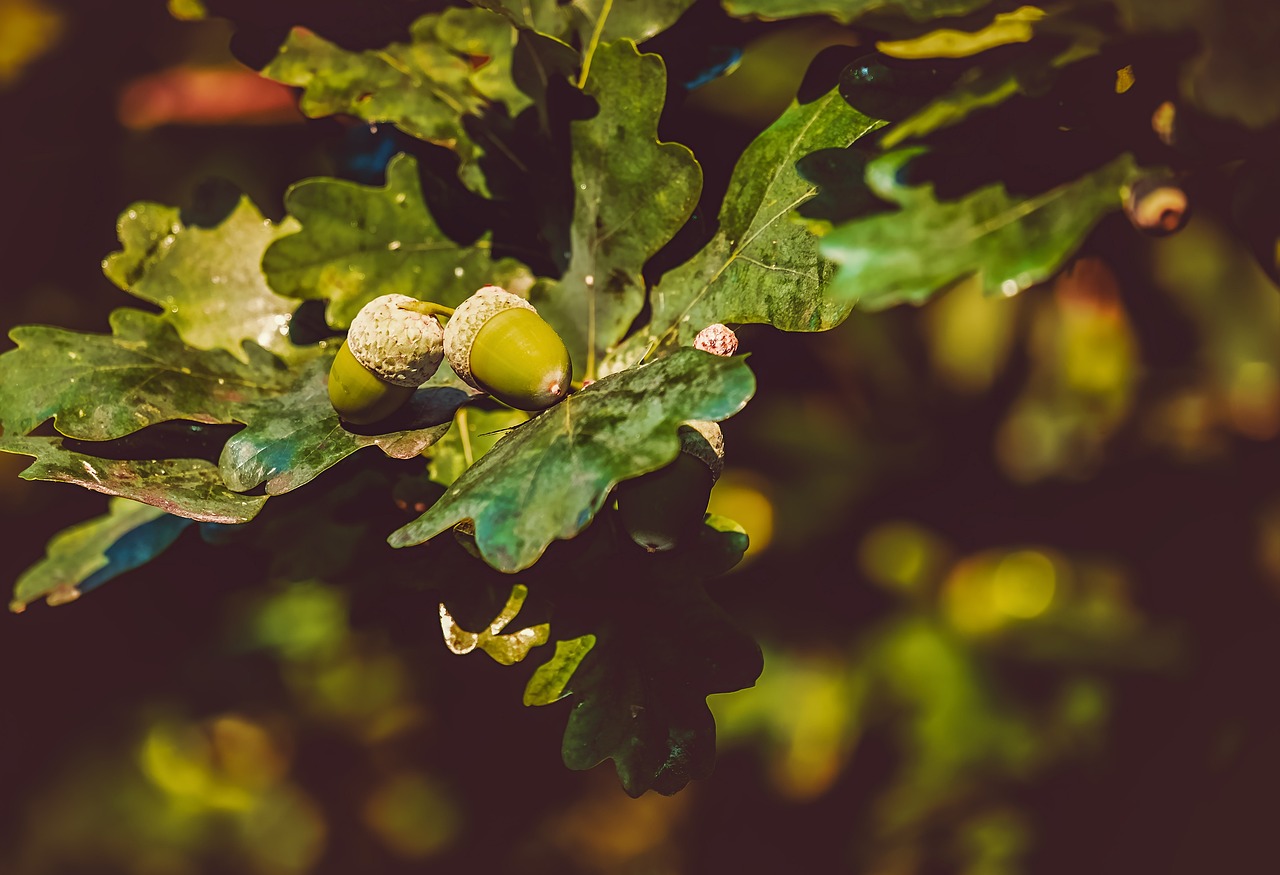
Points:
[[595, 41], [465, 433], [428, 308]]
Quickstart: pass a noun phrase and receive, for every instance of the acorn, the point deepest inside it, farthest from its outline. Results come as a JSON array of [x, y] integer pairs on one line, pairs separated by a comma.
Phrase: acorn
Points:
[[1156, 205], [497, 343], [394, 345], [663, 508]]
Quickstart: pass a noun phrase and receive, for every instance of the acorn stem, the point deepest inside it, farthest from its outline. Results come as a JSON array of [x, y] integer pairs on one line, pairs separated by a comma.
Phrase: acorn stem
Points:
[[427, 308]]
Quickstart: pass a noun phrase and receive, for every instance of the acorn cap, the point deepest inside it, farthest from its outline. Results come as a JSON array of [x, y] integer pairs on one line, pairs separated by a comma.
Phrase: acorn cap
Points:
[[705, 442], [399, 345], [467, 320], [717, 339]]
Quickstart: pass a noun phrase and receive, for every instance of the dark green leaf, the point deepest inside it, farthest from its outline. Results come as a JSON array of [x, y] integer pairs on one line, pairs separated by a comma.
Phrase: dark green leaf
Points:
[[632, 194], [208, 280], [358, 242], [547, 478], [761, 266], [662, 646], [847, 11], [90, 553], [100, 386], [190, 488], [291, 439], [593, 21], [1009, 242]]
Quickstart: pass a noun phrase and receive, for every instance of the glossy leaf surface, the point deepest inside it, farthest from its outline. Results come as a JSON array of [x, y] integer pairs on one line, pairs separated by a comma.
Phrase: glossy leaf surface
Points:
[[1009, 242], [190, 488], [208, 281], [631, 194], [359, 242], [546, 479], [290, 440], [103, 386]]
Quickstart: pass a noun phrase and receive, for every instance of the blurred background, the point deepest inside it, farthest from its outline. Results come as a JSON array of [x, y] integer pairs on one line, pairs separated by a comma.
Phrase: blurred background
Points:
[[1015, 563]]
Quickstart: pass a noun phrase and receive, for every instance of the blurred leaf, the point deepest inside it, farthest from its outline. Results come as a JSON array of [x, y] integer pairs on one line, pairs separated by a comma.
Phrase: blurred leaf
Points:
[[1237, 73], [846, 11], [547, 479], [474, 434], [100, 386], [1005, 28], [984, 88], [632, 194], [291, 439], [359, 242], [550, 680], [838, 175], [662, 646], [208, 281], [90, 553], [30, 29], [1009, 242], [506, 649], [760, 266], [456, 64], [190, 488]]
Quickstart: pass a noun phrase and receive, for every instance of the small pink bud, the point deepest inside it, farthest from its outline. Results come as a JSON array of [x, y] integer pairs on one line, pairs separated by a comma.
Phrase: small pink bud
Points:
[[717, 339]]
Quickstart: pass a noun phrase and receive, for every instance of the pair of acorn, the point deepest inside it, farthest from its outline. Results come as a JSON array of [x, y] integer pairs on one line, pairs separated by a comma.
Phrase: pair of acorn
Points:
[[496, 342]]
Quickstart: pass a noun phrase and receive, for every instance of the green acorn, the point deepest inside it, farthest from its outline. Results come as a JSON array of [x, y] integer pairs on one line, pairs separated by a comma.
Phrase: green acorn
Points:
[[497, 342], [394, 345], [661, 509]]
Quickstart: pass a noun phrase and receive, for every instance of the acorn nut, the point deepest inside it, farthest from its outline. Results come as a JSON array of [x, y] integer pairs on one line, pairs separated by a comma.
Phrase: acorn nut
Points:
[[497, 343], [663, 508], [393, 346]]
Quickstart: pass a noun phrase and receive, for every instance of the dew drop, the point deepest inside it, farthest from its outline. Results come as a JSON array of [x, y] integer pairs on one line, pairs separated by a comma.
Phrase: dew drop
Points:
[[393, 245], [458, 272], [590, 280], [400, 198]]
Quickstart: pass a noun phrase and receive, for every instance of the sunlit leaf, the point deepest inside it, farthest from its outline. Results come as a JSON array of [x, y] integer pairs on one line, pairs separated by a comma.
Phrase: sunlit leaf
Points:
[[631, 194], [208, 281], [760, 266], [473, 434], [591, 20], [455, 64], [90, 553], [190, 488], [847, 11], [547, 479], [1009, 242], [550, 681], [103, 386], [291, 439], [358, 242], [1004, 29], [505, 648]]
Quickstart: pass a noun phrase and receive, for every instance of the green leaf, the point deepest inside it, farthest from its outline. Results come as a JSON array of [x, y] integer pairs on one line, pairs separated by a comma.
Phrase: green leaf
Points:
[[548, 478], [359, 242], [506, 649], [474, 434], [90, 553], [847, 11], [1009, 242], [290, 440], [550, 681], [594, 21], [425, 87], [208, 280], [99, 386], [190, 488], [760, 266], [662, 646], [632, 194], [1005, 28]]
